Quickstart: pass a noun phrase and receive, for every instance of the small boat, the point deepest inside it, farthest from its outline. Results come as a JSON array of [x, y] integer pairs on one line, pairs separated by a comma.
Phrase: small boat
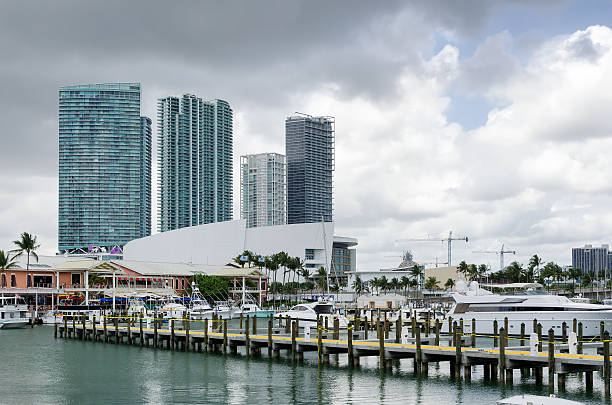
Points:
[[13, 313], [199, 308], [253, 310], [136, 307], [308, 313], [223, 310], [536, 400], [172, 310]]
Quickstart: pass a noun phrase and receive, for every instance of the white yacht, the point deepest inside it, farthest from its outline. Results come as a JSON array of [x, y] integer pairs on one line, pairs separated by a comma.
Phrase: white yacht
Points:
[[199, 308], [307, 314], [136, 307], [525, 303], [173, 310], [13, 312], [252, 310]]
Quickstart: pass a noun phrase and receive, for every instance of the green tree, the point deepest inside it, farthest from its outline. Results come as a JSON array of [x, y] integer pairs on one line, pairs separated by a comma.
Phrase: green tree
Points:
[[482, 271], [26, 243], [574, 274], [357, 285], [472, 272], [404, 284], [213, 288], [6, 262], [322, 279], [535, 262], [514, 272], [450, 283], [394, 284], [432, 283], [384, 284], [463, 269]]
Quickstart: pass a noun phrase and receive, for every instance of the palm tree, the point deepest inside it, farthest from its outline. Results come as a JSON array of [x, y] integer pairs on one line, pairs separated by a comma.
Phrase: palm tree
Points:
[[394, 284], [357, 285], [375, 283], [431, 283], [322, 279], [472, 271], [416, 272], [574, 273], [404, 283], [384, 284], [6, 262], [463, 268], [535, 262], [482, 271], [272, 265], [450, 283], [26, 243]]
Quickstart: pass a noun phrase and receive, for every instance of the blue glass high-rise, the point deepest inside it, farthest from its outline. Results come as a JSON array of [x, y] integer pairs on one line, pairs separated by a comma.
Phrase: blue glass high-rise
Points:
[[309, 146], [195, 157], [104, 167]]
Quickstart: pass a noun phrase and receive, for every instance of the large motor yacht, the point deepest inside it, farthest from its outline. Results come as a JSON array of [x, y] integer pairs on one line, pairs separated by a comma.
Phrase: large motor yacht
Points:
[[521, 303], [199, 308], [13, 312]]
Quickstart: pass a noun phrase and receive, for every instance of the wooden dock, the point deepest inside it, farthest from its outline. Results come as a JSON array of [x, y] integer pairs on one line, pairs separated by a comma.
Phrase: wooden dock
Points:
[[458, 350]]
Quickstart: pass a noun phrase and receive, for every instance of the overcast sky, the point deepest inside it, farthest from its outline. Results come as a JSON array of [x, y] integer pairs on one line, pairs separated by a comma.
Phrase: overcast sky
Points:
[[488, 118]]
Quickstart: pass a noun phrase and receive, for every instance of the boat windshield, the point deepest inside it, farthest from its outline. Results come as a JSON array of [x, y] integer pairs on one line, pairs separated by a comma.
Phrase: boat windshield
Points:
[[324, 309]]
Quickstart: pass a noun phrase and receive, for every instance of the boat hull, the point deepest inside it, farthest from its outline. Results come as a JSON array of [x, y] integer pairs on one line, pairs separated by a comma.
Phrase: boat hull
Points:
[[13, 323], [549, 320]]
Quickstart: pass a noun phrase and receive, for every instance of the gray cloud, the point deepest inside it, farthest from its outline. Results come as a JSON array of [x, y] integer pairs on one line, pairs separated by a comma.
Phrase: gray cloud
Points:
[[268, 59]]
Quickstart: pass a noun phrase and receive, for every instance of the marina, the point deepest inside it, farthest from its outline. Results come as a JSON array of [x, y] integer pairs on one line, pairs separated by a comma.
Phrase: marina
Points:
[[459, 353]]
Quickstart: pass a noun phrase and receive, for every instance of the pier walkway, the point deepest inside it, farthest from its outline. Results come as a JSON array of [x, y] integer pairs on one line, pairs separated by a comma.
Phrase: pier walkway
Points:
[[531, 357]]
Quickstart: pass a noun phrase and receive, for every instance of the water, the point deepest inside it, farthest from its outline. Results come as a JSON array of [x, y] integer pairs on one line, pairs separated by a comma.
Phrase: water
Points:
[[36, 368]]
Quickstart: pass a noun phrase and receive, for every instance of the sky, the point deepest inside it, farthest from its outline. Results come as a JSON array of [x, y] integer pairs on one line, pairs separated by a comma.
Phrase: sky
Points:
[[489, 118]]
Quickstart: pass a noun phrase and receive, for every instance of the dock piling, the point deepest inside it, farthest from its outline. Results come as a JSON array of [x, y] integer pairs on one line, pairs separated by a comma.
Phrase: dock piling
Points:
[[551, 359]]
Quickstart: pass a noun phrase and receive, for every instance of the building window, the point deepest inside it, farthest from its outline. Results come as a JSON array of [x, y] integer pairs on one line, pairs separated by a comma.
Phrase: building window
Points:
[[309, 254], [13, 281], [4, 281], [29, 281], [182, 284]]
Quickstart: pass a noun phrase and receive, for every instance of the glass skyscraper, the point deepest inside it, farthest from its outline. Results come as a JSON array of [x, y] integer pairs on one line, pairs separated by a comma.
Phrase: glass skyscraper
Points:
[[263, 189], [104, 167], [309, 147], [195, 156]]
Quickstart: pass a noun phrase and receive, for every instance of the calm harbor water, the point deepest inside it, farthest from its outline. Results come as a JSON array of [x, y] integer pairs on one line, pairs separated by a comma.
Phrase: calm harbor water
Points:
[[36, 368]]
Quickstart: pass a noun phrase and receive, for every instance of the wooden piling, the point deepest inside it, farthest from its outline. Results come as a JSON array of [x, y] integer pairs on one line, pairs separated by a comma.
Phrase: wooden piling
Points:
[[55, 330], [326, 323], [579, 348], [129, 330], [381, 346], [563, 332], [350, 332], [427, 323], [588, 380], [575, 325], [501, 362], [254, 319], [141, 331], [336, 329], [458, 336], [506, 327], [105, 334], [450, 328], [187, 321], [225, 337], [473, 332], [413, 325], [247, 339], [172, 337], [293, 338], [437, 341], [551, 359], [523, 343], [365, 329], [319, 340], [495, 333], [155, 333], [387, 327], [116, 321], [270, 335], [418, 360], [601, 331], [241, 319], [73, 328], [606, 358], [398, 329], [540, 342], [206, 334]]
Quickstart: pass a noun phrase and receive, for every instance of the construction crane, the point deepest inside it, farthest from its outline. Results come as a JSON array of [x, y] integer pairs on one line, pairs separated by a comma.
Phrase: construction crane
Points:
[[500, 252], [437, 262], [448, 240]]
